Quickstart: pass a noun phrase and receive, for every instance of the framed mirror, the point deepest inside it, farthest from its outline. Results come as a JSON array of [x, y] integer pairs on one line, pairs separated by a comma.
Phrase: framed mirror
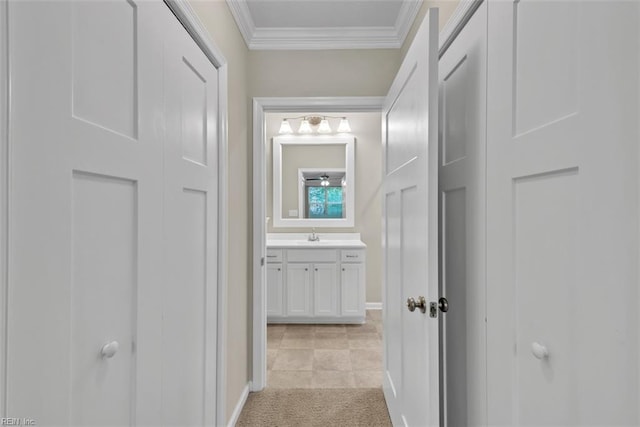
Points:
[[313, 181]]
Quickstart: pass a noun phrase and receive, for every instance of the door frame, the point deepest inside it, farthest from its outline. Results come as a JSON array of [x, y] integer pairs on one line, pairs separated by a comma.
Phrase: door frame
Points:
[[355, 104], [189, 20], [459, 18]]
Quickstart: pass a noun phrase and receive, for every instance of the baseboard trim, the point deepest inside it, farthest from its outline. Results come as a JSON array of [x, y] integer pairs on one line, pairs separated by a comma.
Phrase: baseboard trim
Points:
[[373, 306], [238, 409]]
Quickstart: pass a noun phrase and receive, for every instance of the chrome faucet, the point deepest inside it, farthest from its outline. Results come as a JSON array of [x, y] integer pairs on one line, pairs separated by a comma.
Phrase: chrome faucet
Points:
[[313, 237]]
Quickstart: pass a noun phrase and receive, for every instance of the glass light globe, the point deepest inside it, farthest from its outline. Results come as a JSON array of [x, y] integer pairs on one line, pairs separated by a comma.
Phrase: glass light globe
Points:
[[305, 127], [285, 127], [344, 127], [324, 127]]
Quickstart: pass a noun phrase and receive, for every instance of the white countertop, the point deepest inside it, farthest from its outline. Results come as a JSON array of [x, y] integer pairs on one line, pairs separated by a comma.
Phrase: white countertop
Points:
[[327, 240]]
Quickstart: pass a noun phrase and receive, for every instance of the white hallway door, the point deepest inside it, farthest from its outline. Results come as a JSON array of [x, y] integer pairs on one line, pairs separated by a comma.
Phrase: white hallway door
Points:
[[410, 233], [95, 123], [562, 212], [190, 210], [463, 98]]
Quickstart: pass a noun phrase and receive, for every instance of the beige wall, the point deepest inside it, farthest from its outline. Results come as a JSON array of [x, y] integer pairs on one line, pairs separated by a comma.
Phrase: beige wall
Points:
[[368, 183], [322, 72], [217, 19]]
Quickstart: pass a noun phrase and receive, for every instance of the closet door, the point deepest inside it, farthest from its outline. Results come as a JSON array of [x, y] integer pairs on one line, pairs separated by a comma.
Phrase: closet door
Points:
[[84, 308], [463, 115], [562, 213], [190, 222]]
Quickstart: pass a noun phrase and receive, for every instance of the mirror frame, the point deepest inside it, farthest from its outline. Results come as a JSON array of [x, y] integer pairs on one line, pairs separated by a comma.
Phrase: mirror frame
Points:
[[349, 144]]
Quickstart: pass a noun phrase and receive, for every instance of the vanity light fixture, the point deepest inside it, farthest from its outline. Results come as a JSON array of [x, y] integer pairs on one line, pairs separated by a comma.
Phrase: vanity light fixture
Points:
[[324, 126], [344, 127], [285, 127], [305, 127], [309, 122]]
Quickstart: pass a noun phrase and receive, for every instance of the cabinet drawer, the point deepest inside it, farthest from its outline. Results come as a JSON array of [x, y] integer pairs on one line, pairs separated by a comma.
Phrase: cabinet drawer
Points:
[[274, 255], [312, 255], [352, 256]]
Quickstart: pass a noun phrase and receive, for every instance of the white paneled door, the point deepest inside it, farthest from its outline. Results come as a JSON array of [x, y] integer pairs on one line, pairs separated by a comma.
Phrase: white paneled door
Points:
[[562, 212], [95, 122], [463, 99], [190, 245], [410, 233]]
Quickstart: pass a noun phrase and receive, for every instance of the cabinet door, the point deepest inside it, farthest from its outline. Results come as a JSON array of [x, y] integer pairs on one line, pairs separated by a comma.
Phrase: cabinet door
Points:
[[298, 289], [352, 289], [274, 290], [325, 290]]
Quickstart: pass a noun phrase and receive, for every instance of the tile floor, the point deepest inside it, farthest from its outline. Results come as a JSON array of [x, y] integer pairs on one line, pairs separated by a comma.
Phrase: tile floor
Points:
[[325, 356]]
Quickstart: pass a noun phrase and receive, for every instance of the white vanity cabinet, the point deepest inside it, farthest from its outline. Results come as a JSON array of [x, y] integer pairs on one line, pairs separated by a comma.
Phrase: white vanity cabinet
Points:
[[353, 284], [325, 290], [274, 290], [316, 285], [312, 289], [275, 283], [298, 290]]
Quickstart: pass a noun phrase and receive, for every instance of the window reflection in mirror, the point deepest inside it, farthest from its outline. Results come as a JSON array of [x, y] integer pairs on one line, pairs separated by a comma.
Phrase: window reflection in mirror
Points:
[[315, 160], [323, 193]]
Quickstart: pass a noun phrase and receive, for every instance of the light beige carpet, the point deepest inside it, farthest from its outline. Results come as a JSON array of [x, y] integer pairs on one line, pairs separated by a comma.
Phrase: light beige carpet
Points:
[[315, 407]]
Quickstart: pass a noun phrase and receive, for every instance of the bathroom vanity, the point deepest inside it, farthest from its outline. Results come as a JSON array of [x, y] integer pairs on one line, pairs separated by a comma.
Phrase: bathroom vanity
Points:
[[320, 281]]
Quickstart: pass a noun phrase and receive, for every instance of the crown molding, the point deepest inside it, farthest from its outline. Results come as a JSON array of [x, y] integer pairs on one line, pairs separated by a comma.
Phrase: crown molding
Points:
[[259, 38], [320, 104], [244, 20], [407, 15], [325, 38]]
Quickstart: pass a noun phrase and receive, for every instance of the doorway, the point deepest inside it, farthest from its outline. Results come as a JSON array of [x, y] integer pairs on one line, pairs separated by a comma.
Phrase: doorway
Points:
[[280, 108]]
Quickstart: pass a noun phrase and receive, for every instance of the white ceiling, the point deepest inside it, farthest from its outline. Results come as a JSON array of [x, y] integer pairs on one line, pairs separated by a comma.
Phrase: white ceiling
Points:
[[324, 24]]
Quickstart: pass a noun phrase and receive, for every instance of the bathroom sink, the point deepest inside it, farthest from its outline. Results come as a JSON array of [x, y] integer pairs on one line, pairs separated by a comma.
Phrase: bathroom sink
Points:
[[327, 240], [315, 244]]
